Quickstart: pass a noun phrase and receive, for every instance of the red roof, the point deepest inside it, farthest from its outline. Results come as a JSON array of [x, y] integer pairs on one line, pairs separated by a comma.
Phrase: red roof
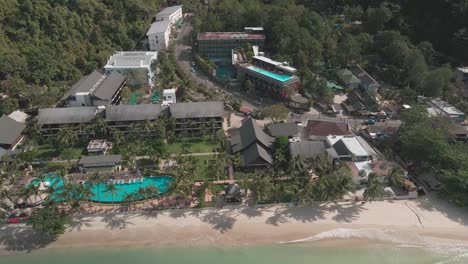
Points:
[[244, 109], [326, 128], [229, 35]]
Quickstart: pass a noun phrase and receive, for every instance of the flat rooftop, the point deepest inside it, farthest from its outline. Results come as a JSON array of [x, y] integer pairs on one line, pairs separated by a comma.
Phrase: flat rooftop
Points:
[[132, 59], [169, 10], [446, 107], [272, 75], [229, 35], [159, 27]]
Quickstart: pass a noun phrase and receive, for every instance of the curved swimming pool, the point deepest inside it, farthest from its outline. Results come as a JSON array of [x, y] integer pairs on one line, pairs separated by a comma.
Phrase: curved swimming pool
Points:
[[101, 192]]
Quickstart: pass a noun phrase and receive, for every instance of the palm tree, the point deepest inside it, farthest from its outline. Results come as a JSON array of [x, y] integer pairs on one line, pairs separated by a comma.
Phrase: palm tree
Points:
[[66, 137], [396, 177], [262, 187], [112, 189], [296, 164], [142, 193], [85, 193], [152, 191], [97, 179], [130, 199], [118, 136], [375, 189], [100, 126]]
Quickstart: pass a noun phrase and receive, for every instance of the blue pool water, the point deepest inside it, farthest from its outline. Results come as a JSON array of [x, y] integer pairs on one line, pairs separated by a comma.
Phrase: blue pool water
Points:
[[278, 77], [100, 191]]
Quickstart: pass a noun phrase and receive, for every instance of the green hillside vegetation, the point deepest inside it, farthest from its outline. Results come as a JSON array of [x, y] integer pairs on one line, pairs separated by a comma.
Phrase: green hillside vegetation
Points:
[[47, 44]]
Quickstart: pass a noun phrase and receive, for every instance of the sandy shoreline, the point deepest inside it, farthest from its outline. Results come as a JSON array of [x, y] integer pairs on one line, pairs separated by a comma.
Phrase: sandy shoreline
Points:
[[417, 222]]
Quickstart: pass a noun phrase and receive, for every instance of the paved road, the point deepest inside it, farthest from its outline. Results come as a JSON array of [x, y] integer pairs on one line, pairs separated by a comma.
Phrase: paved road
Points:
[[184, 58]]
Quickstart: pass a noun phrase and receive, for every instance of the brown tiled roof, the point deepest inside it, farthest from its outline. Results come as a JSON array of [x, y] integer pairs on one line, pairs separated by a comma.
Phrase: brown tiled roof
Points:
[[326, 128]]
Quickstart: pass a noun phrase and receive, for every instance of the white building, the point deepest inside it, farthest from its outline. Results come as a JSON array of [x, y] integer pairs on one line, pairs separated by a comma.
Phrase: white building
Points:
[[172, 14], [169, 96], [438, 107], [158, 35], [351, 148], [136, 64]]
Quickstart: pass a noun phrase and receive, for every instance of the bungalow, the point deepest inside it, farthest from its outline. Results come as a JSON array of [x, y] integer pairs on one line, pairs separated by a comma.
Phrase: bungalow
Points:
[[365, 80], [320, 129], [98, 147], [96, 89], [438, 107], [254, 145], [100, 163], [10, 134], [351, 148], [307, 149], [348, 79], [290, 130]]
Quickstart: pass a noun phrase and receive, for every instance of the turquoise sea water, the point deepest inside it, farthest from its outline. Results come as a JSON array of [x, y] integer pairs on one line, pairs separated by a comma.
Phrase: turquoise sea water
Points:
[[274, 254], [100, 190]]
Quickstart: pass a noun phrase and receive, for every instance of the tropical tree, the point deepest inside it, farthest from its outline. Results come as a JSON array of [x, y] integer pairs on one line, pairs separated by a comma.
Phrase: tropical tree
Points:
[[262, 187], [276, 112], [112, 189], [97, 179], [396, 177], [375, 189], [66, 137], [49, 220], [85, 193], [130, 199]]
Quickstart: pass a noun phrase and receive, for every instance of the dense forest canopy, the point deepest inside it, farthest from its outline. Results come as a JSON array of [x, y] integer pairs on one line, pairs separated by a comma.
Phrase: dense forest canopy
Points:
[[46, 44]]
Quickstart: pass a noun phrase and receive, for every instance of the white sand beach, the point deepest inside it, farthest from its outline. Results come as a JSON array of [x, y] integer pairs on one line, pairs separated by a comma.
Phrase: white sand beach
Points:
[[411, 222]]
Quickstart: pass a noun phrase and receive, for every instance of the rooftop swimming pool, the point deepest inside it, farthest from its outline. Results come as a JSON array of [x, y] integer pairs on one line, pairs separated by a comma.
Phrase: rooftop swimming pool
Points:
[[101, 192], [278, 77]]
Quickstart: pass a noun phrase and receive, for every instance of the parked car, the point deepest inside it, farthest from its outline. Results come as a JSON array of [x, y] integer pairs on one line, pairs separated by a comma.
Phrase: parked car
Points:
[[369, 122]]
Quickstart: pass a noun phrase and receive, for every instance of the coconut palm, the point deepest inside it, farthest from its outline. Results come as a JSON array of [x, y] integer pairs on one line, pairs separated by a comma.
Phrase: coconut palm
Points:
[[112, 189], [375, 189], [262, 187], [396, 177], [85, 193], [100, 126], [130, 199], [97, 179], [152, 192], [66, 137]]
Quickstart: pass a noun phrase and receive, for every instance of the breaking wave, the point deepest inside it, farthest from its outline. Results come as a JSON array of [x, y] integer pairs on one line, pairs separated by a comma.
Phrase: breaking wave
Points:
[[455, 250]]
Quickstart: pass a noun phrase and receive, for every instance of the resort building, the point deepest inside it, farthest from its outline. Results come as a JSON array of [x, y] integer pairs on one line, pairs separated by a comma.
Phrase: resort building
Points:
[[253, 144], [10, 134], [278, 79], [100, 163], [194, 118], [52, 120], [126, 118], [252, 30], [171, 13], [96, 89], [197, 117], [135, 64], [441, 108], [158, 35], [351, 148], [221, 44], [98, 147]]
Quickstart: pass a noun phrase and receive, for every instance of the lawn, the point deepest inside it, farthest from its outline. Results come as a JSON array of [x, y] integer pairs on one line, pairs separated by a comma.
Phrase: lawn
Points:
[[202, 171], [193, 147], [48, 152]]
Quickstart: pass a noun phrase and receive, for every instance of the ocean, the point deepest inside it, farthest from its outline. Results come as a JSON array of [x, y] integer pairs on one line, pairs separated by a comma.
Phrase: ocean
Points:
[[312, 252]]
